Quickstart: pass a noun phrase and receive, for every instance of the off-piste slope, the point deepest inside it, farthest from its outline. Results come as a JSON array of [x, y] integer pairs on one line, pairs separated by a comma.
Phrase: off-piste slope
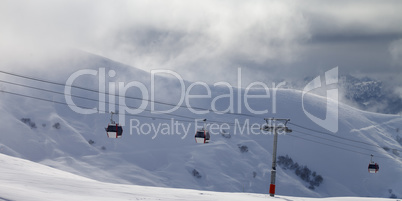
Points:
[[159, 149]]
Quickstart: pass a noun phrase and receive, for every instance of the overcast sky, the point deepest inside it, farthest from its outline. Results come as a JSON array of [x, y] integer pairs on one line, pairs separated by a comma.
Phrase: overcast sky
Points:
[[209, 40]]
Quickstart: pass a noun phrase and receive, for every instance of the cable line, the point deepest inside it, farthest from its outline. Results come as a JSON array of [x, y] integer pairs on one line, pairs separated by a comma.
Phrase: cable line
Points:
[[128, 114], [345, 149], [343, 138], [303, 133], [91, 99], [129, 97], [62, 103], [185, 118]]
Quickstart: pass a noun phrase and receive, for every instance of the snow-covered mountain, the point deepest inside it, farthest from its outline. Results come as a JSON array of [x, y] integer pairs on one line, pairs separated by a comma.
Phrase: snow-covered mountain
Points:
[[371, 94], [51, 133], [364, 93]]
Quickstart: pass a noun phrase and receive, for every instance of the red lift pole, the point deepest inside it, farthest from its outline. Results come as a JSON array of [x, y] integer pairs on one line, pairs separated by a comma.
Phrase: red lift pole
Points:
[[272, 127]]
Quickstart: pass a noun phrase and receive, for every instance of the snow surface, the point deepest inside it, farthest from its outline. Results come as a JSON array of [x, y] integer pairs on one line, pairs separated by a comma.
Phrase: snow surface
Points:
[[159, 160], [25, 180]]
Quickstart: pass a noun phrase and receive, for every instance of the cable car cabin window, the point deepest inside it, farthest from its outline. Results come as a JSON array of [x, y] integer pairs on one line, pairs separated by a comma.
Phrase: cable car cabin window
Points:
[[373, 167], [200, 134], [112, 128]]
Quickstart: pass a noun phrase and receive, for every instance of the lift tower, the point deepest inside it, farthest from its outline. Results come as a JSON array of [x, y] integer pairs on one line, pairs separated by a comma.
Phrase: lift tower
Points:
[[273, 127]]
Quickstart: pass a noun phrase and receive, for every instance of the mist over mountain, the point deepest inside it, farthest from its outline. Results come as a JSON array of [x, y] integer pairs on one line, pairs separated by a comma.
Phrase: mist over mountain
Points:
[[365, 93]]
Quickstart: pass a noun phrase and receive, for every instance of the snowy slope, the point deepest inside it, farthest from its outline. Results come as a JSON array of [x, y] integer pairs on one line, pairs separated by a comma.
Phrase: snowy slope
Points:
[[154, 159], [25, 180]]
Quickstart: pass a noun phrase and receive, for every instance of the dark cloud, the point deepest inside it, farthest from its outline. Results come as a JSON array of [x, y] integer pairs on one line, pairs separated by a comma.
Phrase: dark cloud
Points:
[[356, 38]]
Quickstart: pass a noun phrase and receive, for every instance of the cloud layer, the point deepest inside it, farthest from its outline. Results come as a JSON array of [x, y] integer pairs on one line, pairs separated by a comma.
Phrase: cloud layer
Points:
[[209, 40]]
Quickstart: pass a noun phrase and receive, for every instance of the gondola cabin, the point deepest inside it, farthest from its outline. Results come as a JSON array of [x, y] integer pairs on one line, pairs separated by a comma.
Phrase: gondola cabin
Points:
[[202, 136], [114, 131], [373, 168]]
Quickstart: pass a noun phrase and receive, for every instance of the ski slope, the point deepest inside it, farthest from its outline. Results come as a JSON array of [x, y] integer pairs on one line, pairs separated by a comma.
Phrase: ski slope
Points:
[[25, 180], [148, 158]]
